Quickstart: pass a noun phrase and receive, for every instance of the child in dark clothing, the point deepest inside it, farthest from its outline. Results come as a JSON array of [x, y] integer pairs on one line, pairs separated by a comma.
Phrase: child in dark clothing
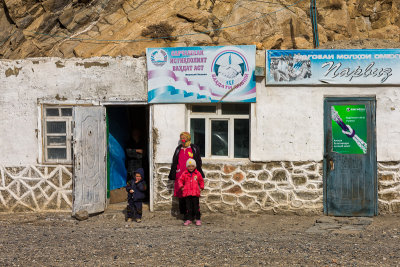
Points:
[[191, 183], [136, 188]]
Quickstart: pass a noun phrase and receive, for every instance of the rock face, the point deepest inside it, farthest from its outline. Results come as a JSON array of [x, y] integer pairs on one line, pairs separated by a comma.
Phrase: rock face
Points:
[[87, 28]]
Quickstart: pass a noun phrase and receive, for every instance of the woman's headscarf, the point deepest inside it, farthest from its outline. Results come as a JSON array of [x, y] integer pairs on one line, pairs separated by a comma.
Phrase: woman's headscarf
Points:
[[187, 137]]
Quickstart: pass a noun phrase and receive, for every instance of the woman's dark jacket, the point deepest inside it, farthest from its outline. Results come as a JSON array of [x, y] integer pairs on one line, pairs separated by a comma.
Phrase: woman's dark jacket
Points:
[[196, 157], [134, 160]]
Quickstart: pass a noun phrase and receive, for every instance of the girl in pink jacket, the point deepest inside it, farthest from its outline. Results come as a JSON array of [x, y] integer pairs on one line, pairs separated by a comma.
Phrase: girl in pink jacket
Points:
[[191, 183]]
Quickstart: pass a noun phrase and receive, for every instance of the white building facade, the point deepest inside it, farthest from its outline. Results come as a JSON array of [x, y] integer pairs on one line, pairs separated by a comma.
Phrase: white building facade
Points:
[[55, 159]]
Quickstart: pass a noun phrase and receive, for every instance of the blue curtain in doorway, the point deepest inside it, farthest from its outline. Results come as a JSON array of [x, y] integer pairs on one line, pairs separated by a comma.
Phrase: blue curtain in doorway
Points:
[[117, 163]]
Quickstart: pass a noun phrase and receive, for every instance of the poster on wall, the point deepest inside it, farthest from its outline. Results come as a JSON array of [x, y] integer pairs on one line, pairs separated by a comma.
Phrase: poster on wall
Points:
[[355, 66], [349, 129], [202, 74]]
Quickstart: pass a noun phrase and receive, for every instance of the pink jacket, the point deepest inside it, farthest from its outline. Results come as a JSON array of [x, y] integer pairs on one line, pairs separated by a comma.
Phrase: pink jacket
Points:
[[191, 183]]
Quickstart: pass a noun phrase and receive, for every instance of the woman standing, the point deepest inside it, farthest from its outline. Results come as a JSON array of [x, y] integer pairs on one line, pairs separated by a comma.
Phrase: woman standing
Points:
[[184, 151]]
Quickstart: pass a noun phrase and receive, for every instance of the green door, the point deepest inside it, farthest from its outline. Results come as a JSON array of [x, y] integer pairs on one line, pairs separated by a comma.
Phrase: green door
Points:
[[350, 184]]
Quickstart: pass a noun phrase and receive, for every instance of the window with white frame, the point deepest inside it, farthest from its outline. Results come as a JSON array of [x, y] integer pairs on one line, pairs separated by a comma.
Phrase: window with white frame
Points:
[[221, 130], [57, 134]]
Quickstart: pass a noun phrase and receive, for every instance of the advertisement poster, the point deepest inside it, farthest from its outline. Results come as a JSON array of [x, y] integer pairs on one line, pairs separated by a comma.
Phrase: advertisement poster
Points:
[[201, 74], [352, 66], [349, 129]]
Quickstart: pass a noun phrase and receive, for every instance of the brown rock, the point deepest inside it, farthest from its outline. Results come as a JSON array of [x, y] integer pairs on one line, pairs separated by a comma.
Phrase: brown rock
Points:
[[386, 177], [259, 195], [388, 32], [299, 180], [226, 177], [252, 186], [279, 197], [308, 195], [263, 176], [234, 190], [389, 196], [227, 184], [229, 168], [252, 167], [214, 198], [268, 186], [230, 199], [303, 43], [273, 164], [246, 200], [279, 175], [395, 207], [81, 215], [213, 175], [238, 177], [192, 14]]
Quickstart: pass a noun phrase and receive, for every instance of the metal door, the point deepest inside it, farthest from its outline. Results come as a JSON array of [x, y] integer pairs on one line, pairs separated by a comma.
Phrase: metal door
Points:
[[89, 190], [350, 184]]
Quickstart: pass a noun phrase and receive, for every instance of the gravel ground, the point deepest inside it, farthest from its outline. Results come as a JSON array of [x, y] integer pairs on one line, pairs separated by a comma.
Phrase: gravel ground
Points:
[[56, 239]]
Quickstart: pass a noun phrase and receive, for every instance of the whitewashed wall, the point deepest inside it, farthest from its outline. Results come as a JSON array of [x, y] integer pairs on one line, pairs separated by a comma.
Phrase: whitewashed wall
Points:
[[287, 123], [25, 83], [169, 122]]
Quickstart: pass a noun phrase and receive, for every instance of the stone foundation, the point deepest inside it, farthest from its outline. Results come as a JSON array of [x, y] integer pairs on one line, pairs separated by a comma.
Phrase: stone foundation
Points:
[[277, 187], [389, 187], [35, 188]]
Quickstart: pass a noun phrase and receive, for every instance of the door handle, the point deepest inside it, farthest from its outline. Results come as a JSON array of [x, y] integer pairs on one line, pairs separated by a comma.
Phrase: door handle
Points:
[[331, 164]]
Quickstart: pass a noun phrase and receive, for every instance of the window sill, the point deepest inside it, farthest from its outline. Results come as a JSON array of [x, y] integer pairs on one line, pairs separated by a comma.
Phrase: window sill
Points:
[[225, 161]]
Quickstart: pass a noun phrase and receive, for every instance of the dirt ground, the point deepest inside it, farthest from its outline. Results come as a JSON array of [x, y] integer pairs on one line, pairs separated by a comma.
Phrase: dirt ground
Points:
[[57, 239]]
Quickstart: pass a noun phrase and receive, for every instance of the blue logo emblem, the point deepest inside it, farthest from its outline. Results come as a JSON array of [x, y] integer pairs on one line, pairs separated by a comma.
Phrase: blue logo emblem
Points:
[[159, 57], [230, 70]]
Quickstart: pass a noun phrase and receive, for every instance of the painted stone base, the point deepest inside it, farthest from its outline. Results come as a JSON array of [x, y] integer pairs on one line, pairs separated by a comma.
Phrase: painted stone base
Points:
[[276, 187], [35, 188], [389, 187]]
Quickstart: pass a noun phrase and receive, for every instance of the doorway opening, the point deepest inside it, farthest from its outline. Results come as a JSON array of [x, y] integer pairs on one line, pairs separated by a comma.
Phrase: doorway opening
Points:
[[127, 148]]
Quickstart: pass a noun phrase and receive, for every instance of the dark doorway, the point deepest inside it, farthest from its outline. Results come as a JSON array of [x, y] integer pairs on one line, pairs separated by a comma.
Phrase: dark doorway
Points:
[[128, 130], [350, 182]]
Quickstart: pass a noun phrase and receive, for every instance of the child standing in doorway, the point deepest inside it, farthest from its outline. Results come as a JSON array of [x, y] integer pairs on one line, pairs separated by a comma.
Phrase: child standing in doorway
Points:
[[136, 188], [191, 183]]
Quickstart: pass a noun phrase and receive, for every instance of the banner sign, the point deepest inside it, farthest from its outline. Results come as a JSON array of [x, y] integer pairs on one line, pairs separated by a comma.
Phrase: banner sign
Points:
[[349, 129], [201, 74], [357, 66]]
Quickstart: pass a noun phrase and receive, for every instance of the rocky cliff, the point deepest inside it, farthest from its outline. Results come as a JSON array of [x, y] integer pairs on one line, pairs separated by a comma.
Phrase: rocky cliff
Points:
[[86, 28]]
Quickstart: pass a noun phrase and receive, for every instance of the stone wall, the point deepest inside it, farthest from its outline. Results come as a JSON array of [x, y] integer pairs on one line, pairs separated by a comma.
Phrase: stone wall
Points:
[[276, 187], [389, 187], [35, 188]]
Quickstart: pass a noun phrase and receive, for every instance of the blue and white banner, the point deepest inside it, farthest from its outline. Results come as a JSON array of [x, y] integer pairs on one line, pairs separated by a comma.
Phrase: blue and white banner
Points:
[[201, 74], [356, 66]]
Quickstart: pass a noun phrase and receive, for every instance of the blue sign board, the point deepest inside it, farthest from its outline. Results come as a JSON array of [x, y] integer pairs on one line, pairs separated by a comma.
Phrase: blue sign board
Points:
[[356, 66], [201, 74]]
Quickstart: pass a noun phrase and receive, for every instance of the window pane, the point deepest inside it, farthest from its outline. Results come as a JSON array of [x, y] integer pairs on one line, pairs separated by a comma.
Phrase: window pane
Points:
[[241, 141], [219, 138], [197, 131], [235, 109], [52, 112], [57, 153], [56, 140], [56, 127], [204, 109], [66, 112]]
